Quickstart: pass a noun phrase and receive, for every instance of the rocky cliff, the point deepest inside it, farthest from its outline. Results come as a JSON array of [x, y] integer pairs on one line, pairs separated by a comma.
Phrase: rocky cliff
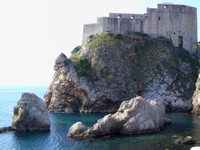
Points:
[[196, 97], [110, 69]]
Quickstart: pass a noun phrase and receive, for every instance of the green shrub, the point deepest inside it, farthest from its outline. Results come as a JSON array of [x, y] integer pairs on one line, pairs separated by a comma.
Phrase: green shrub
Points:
[[74, 57], [91, 36], [76, 49], [117, 35], [83, 67], [104, 72], [197, 45]]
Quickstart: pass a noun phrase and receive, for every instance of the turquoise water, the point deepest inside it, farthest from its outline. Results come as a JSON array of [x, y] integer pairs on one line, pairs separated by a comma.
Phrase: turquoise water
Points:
[[183, 124]]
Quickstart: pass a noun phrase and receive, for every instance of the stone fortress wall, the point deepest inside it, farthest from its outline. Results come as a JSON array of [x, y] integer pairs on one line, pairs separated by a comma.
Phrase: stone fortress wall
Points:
[[175, 22]]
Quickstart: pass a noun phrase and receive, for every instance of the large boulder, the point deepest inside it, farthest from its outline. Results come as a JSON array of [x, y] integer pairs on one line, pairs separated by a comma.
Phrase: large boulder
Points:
[[76, 129], [30, 114], [135, 116]]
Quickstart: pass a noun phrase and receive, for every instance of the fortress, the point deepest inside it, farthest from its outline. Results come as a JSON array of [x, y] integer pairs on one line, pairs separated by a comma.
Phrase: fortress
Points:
[[175, 22]]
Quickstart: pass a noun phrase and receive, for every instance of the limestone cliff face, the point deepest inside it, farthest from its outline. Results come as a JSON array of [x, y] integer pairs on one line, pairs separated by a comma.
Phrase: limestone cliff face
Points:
[[196, 97], [110, 69]]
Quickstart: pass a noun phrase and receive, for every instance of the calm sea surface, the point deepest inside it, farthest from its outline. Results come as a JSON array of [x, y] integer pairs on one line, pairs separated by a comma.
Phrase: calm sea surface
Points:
[[183, 124]]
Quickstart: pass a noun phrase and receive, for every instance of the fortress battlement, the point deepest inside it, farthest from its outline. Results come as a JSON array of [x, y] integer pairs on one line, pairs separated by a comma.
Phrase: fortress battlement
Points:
[[175, 22]]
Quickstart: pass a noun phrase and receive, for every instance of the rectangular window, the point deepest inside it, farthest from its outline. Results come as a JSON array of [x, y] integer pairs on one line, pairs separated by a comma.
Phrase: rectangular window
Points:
[[183, 8], [159, 18], [180, 41], [165, 7], [119, 16], [132, 17]]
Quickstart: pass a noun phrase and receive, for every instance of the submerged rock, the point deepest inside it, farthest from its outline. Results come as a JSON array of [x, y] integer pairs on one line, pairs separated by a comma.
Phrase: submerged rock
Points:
[[183, 140], [30, 114], [135, 116]]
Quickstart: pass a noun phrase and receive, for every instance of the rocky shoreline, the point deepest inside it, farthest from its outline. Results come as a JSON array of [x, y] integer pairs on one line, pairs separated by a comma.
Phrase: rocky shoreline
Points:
[[89, 85], [135, 116]]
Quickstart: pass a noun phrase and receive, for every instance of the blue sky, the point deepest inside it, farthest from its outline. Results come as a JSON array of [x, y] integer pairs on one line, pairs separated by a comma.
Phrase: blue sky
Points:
[[34, 32]]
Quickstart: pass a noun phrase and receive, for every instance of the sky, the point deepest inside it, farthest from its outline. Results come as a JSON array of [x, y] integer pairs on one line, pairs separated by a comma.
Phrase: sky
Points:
[[34, 32]]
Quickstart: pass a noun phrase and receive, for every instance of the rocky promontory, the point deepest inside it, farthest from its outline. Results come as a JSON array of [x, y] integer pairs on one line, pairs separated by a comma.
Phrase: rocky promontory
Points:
[[109, 69], [30, 114], [135, 116]]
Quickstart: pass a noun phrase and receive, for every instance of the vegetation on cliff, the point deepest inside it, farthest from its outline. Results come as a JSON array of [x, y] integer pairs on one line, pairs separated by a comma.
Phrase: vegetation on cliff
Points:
[[83, 67], [146, 57], [111, 68], [197, 46]]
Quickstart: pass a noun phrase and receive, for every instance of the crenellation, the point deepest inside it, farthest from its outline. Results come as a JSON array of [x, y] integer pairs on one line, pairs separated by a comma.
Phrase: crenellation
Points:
[[126, 16], [175, 22], [175, 8]]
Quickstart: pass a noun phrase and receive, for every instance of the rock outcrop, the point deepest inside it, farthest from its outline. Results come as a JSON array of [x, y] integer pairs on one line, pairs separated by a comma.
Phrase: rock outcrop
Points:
[[196, 97], [6, 129], [110, 69], [135, 116], [183, 140], [30, 114]]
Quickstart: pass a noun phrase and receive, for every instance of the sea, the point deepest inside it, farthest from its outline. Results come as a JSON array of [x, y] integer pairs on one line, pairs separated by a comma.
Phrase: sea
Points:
[[182, 124]]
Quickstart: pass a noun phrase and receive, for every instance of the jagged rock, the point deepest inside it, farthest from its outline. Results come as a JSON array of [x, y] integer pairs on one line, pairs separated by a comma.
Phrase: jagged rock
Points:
[[196, 97], [30, 114], [60, 61], [183, 140], [135, 116], [103, 74], [6, 129], [61, 58]]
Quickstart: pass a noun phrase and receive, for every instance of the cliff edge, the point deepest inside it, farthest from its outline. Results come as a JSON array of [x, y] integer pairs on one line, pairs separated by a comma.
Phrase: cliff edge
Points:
[[196, 97], [110, 69]]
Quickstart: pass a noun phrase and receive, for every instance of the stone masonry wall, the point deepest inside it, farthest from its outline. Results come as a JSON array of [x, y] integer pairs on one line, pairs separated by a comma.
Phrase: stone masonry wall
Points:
[[175, 22]]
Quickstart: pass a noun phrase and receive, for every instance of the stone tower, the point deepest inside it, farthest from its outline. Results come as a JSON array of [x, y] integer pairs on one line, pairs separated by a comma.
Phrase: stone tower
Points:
[[175, 22]]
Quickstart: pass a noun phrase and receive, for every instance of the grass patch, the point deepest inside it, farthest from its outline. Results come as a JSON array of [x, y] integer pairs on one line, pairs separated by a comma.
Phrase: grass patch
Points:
[[74, 57], [102, 40], [107, 39]]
